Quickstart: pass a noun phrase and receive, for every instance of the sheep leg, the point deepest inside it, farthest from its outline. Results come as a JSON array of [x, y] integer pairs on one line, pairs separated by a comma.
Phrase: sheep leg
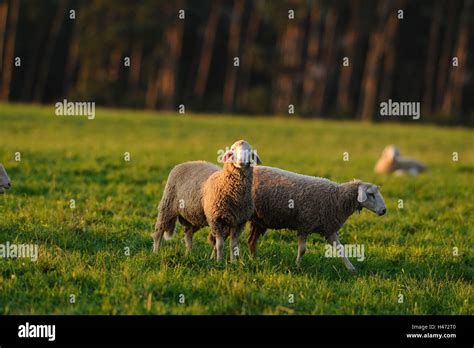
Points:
[[213, 254], [255, 233], [218, 235], [219, 247], [301, 247], [212, 240], [157, 236], [252, 243], [334, 238], [188, 238], [234, 248], [233, 242]]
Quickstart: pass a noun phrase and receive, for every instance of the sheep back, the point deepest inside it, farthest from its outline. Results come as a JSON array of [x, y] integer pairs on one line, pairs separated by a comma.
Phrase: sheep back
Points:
[[289, 200], [184, 191]]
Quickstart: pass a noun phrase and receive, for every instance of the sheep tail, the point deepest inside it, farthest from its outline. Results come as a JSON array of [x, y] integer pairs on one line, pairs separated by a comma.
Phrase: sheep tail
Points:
[[166, 220]]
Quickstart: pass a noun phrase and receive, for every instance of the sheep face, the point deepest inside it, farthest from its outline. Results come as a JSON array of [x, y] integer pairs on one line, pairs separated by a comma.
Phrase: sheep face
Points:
[[370, 197], [241, 155], [5, 183]]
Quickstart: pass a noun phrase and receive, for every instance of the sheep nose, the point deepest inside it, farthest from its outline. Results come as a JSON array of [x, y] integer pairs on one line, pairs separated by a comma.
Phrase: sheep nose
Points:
[[9, 185], [383, 211]]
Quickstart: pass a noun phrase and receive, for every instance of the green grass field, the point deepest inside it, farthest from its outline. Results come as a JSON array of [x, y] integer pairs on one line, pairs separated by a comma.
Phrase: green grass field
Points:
[[408, 251]]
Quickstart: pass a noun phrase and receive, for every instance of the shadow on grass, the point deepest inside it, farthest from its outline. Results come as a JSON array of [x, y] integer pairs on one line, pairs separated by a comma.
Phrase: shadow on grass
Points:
[[282, 262]]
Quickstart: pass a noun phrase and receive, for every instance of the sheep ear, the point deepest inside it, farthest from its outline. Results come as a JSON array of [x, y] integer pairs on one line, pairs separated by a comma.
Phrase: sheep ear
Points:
[[362, 196], [228, 155], [255, 158]]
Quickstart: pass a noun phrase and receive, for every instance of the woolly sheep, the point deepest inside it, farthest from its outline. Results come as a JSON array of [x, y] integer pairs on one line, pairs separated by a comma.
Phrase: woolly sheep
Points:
[[5, 183], [202, 194], [391, 162], [307, 204]]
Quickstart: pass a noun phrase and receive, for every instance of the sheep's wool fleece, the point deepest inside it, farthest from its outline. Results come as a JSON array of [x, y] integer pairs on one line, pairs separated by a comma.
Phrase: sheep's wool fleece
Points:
[[304, 203], [201, 193]]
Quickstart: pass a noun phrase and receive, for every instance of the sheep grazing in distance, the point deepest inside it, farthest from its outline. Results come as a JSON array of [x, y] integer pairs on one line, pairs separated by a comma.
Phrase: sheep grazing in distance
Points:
[[307, 204], [391, 162], [5, 183], [202, 194]]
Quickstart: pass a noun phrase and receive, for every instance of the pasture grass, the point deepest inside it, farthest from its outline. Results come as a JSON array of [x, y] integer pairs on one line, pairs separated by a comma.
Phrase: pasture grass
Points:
[[408, 251]]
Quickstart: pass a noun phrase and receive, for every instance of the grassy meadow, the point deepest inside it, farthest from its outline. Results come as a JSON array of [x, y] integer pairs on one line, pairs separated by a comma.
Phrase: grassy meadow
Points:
[[84, 251]]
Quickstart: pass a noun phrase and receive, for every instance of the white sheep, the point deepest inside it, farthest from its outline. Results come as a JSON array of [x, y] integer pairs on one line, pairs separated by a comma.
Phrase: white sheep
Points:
[[202, 194], [287, 200], [5, 183], [391, 162]]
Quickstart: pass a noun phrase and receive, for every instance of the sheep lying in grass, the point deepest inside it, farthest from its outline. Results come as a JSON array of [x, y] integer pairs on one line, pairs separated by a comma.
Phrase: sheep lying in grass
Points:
[[307, 204], [202, 194], [5, 183], [391, 162]]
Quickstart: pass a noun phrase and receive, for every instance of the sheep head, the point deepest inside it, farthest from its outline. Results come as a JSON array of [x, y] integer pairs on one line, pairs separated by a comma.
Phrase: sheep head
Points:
[[241, 155], [369, 197], [389, 156], [5, 183], [391, 151]]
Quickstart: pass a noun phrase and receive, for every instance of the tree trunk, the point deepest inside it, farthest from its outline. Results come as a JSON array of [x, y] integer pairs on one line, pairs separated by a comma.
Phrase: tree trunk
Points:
[[71, 65], [168, 74], [83, 77], [207, 49], [247, 60], [445, 60], [386, 28], [312, 51], [49, 51], [233, 51], [284, 85], [31, 70], [9, 54], [371, 70], [152, 93], [161, 89], [389, 55], [452, 102], [135, 65], [432, 56], [153, 84], [3, 28], [328, 53], [114, 64], [351, 39]]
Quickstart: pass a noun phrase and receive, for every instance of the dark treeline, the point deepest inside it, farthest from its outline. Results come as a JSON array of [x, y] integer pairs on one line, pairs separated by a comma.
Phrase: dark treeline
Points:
[[141, 54]]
